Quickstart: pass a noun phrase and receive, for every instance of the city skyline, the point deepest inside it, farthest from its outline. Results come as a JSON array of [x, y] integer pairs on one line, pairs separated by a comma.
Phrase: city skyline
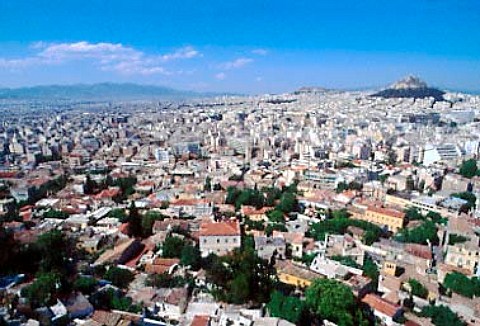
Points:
[[241, 47]]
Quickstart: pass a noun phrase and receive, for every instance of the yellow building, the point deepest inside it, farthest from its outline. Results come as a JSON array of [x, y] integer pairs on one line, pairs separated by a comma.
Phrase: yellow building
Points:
[[384, 217], [389, 268], [295, 275]]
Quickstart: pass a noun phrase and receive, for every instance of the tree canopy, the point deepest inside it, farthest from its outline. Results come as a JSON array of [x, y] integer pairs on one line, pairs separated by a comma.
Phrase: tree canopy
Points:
[[120, 277], [468, 168], [241, 277], [288, 307], [370, 269], [461, 284], [172, 247], [442, 316], [456, 238], [190, 256], [56, 251], [422, 234], [43, 290], [334, 301], [417, 288], [469, 197], [86, 285]]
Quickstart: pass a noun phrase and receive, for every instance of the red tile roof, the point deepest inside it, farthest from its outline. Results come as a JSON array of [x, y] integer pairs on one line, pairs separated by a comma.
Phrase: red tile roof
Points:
[[7, 175], [200, 321], [188, 202], [108, 193], [381, 305], [419, 250], [133, 262], [230, 228], [251, 210], [161, 265]]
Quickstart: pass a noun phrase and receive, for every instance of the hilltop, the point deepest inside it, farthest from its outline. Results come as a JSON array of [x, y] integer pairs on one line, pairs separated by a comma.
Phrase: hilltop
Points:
[[410, 87]]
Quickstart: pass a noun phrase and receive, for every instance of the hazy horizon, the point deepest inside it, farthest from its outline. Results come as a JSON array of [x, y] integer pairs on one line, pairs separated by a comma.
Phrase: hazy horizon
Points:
[[246, 47]]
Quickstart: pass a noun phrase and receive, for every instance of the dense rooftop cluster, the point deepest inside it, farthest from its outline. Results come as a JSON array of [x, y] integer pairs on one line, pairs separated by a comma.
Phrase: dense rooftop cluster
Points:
[[306, 208]]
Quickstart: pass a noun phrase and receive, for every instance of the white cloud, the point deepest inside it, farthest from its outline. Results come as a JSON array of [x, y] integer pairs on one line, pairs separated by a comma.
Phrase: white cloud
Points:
[[221, 76], [187, 52], [261, 52], [107, 56], [237, 63]]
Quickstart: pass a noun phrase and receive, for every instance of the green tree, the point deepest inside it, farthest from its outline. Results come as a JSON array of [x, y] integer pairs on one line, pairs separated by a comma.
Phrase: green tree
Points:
[[422, 234], [86, 285], [275, 227], [148, 220], [167, 281], [120, 214], [126, 185], [52, 213], [287, 307], [134, 221], [468, 169], [172, 247], [413, 214], [382, 178], [43, 290], [288, 202], [190, 256], [442, 316], [421, 186], [347, 261], [331, 300], [232, 194], [239, 289], [56, 251], [417, 288], [7, 253], [240, 277], [461, 284], [456, 238], [208, 184], [370, 269], [409, 183], [272, 195], [89, 186], [468, 196], [276, 216], [436, 218], [341, 187], [111, 299], [119, 277]]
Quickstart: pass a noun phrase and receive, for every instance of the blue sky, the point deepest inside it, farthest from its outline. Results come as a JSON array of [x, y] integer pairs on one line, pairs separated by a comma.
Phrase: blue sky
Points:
[[250, 46]]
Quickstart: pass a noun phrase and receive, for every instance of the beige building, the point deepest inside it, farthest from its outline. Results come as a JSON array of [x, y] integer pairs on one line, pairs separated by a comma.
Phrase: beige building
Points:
[[463, 256]]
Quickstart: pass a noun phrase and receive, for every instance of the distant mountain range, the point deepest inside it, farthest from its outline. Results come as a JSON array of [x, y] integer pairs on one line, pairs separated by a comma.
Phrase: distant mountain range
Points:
[[411, 87], [101, 91]]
